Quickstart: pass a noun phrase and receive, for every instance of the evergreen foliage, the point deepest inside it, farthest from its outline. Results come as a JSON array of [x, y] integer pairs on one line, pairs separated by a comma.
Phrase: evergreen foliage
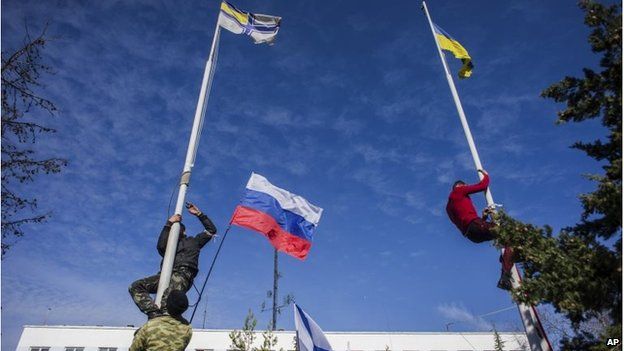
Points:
[[578, 279], [598, 94], [579, 271]]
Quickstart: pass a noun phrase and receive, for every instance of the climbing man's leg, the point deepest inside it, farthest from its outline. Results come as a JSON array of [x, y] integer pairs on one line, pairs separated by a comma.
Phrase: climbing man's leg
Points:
[[507, 259], [140, 291], [507, 262], [181, 279], [479, 231]]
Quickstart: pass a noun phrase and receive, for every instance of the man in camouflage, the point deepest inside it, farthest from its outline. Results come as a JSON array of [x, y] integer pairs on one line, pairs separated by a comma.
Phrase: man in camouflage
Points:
[[185, 264], [165, 333]]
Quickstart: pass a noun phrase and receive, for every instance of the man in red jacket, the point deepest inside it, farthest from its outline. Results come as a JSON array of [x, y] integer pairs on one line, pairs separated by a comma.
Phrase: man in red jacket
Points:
[[462, 213]]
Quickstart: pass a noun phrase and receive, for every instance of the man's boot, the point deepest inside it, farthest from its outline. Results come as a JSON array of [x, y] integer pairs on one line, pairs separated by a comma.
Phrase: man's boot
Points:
[[505, 280]]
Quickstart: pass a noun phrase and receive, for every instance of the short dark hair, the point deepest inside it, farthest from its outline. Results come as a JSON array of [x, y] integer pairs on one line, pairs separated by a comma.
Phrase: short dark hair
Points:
[[458, 182]]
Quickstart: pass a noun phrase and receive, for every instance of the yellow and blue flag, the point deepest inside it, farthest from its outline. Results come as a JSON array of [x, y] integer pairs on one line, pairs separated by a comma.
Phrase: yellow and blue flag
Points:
[[448, 43], [261, 28]]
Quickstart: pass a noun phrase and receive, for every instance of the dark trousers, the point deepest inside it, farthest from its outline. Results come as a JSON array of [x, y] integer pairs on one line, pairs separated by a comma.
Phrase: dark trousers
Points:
[[140, 290], [479, 231]]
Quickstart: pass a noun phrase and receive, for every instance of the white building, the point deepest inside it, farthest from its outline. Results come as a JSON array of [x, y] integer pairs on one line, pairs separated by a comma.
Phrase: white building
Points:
[[86, 338]]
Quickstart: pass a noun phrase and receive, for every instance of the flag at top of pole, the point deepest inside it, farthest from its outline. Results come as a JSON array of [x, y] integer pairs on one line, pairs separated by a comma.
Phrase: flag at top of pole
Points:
[[261, 28], [286, 219], [538, 340], [448, 43]]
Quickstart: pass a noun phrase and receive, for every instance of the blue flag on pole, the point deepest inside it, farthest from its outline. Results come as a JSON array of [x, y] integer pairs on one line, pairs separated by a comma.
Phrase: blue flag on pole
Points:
[[310, 337]]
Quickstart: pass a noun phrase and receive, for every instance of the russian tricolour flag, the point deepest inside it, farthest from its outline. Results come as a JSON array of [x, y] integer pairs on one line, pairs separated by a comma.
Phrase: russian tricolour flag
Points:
[[286, 219], [310, 337]]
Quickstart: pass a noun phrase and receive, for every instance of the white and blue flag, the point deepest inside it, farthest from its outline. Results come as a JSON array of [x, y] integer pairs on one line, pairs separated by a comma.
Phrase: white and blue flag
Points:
[[310, 337], [261, 28]]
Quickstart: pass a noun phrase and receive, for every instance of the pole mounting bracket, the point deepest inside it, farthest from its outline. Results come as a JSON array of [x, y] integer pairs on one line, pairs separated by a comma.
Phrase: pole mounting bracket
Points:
[[185, 178]]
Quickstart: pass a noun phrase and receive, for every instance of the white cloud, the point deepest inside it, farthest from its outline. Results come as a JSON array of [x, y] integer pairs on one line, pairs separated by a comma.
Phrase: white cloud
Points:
[[348, 126], [458, 313], [417, 253], [358, 22]]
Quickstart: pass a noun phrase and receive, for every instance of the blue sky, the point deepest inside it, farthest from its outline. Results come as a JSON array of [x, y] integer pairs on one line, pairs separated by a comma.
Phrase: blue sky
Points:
[[349, 108]]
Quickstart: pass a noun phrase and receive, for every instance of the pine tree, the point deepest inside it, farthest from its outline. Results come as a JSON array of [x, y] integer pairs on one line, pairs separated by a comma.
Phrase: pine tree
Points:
[[579, 271], [581, 281], [598, 94]]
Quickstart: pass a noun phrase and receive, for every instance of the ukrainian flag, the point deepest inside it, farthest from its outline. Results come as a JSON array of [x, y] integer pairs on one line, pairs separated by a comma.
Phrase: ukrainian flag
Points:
[[448, 43], [261, 28]]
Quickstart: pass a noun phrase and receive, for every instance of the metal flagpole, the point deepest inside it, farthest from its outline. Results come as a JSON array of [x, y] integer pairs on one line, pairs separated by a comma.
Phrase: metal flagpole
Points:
[[296, 327], [275, 279], [532, 325], [460, 110], [172, 242]]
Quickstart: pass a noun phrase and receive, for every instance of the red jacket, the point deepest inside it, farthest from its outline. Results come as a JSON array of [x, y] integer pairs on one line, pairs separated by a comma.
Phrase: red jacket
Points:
[[460, 209]]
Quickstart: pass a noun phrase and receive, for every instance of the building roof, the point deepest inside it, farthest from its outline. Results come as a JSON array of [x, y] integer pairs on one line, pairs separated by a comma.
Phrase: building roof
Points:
[[58, 337]]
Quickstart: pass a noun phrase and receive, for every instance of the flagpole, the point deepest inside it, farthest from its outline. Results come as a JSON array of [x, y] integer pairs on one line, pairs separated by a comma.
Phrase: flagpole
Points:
[[532, 325], [275, 278], [172, 242], [298, 342], [296, 327], [460, 110]]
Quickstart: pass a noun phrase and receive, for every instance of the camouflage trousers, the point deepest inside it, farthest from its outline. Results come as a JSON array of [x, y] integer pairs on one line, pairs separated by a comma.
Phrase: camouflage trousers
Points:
[[140, 290]]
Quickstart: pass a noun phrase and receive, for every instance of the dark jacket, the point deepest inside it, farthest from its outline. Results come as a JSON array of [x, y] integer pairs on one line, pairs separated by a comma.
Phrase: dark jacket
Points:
[[459, 208], [187, 253]]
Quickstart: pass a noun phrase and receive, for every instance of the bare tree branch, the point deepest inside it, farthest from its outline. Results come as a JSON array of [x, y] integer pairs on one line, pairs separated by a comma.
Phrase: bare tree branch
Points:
[[22, 73]]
